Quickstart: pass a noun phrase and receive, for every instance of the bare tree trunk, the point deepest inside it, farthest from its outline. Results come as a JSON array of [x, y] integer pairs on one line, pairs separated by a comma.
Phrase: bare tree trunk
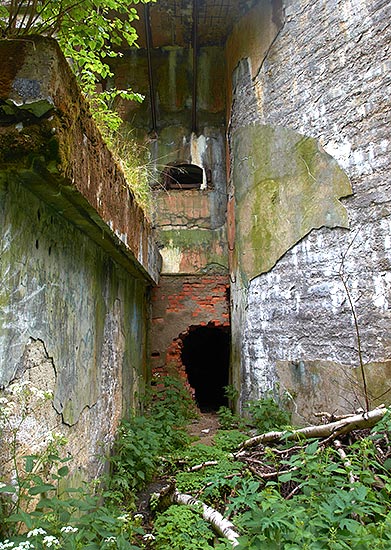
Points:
[[358, 421], [221, 525]]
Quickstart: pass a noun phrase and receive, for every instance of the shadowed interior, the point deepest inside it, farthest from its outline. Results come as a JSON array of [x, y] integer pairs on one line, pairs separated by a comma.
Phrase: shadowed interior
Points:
[[205, 354]]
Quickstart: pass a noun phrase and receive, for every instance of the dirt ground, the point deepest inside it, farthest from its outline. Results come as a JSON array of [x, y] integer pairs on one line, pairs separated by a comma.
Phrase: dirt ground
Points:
[[204, 428]]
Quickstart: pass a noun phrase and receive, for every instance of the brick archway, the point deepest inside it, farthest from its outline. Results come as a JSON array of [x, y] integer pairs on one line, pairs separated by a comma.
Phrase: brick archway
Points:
[[205, 360]]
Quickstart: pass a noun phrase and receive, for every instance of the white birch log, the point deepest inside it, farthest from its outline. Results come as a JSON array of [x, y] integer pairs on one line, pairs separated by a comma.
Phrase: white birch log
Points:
[[219, 523], [358, 421]]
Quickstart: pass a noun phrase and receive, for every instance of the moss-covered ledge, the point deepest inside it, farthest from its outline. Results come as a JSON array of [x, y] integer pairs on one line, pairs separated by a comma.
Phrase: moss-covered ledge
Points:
[[49, 142]]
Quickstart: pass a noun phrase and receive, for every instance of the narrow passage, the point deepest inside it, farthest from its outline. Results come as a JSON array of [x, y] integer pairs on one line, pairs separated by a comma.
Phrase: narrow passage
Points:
[[205, 354]]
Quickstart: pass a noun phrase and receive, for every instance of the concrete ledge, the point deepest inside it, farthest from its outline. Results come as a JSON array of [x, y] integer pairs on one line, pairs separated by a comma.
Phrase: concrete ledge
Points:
[[49, 142]]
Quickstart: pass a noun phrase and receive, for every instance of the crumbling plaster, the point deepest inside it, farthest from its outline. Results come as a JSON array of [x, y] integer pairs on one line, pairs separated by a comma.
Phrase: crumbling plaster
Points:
[[77, 259], [325, 76]]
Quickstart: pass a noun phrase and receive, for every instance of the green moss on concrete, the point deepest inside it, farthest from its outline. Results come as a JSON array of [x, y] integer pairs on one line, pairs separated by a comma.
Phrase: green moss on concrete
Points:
[[193, 250], [187, 238], [174, 79], [211, 82], [285, 186], [60, 287]]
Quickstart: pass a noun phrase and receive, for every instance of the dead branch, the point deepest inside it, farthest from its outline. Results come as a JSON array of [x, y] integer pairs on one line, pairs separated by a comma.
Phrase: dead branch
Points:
[[220, 524], [345, 279], [203, 465], [346, 461], [293, 492], [270, 475], [331, 417], [358, 421], [169, 495]]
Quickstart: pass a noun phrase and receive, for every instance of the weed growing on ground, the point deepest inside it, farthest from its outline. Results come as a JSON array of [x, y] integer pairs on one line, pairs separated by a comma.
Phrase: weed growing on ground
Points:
[[288, 496], [181, 527], [144, 443]]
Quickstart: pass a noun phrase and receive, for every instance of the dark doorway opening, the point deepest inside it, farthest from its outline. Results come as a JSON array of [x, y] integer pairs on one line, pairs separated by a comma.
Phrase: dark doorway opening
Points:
[[205, 355], [183, 176]]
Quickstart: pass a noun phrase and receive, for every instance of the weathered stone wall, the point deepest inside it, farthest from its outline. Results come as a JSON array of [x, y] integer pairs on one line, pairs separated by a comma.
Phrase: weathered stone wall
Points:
[[73, 322], [78, 258], [325, 76]]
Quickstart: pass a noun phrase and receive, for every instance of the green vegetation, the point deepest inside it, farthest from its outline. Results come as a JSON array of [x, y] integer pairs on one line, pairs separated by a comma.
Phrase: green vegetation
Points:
[[91, 33], [309, 494], [134, 159]]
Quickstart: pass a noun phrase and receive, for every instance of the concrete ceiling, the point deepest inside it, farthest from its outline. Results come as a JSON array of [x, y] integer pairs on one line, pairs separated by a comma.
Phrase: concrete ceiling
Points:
[[172, 21]]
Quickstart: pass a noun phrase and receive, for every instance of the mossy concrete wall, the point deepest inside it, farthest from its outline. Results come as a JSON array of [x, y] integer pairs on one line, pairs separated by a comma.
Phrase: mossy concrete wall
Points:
[[322, 84], [78, 259]]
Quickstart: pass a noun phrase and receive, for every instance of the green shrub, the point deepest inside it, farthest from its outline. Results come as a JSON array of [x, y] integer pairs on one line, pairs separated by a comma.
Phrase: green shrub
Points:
[[267, 414], [182, 528]]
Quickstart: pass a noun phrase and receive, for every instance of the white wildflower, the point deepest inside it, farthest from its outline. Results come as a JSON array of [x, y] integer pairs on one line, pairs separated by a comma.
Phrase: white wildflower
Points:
[[24, 545], [124, 517], [36, 532], [5, 545], [138, 517], [148, 536], [7, 409], [50, 541], [19, 387], [110, 539], [69, 529], [39, 394]]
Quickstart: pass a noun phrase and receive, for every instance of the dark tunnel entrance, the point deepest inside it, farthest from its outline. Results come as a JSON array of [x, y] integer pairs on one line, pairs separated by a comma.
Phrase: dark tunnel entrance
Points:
[[205, 355]]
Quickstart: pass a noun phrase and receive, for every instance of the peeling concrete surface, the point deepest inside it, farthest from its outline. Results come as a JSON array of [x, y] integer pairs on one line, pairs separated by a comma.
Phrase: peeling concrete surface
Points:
[[285, 186], [59, 287], [77, 259], [325, 76]]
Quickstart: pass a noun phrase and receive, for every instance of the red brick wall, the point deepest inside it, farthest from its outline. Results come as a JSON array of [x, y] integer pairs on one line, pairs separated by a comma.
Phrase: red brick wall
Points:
[[179, 303]]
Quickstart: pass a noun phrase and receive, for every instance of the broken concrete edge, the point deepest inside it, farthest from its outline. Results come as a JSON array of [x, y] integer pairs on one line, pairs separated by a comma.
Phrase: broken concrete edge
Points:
[[70, 204], [72, 169]]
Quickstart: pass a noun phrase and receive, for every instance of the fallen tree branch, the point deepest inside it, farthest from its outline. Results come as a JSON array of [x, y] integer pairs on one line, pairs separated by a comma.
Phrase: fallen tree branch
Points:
[[220, 524], [203, 465], [270, 475], [346, 461], [331, 417], [358, 421]]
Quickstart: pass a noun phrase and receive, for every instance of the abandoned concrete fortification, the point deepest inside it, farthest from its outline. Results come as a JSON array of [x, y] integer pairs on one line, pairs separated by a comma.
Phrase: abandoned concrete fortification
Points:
[[267, 127]]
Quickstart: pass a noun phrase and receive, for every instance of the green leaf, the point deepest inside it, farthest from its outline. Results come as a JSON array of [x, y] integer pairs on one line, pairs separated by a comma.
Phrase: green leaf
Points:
[[285, 477], [7, 489], [64, 471], [312, 448], [350, 524], [38, 489], [29, 463], [22, 517]]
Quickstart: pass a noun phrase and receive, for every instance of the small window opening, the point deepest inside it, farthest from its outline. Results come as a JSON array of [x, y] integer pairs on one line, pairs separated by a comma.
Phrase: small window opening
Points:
[[183, 176], [205, 354]]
